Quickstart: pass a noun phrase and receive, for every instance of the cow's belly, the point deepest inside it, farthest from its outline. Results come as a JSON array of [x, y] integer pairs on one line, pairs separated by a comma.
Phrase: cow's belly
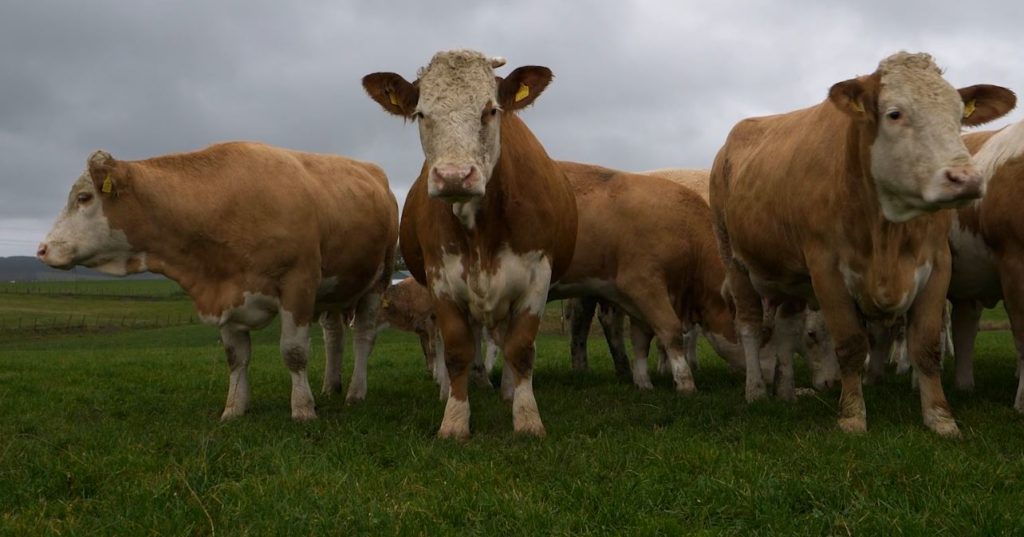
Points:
[[975, 274], [518, 283], [597, 287], [255, 311]]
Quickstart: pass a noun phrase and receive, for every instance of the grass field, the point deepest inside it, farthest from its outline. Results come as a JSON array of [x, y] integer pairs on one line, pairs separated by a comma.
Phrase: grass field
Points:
[[118, 433]]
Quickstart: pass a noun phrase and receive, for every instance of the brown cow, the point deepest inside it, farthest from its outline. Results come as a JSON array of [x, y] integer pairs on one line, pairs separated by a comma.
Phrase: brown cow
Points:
[[646, 245], [489, 223], [834, 205], [407, 306], [987, 239], [249, 231]]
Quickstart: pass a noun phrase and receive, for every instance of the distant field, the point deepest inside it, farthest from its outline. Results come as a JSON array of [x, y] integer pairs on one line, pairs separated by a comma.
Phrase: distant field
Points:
[[117, 433], [121, 288]]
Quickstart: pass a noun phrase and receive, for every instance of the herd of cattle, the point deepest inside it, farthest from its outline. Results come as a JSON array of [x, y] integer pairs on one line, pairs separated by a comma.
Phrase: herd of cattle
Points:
[[863, 213]]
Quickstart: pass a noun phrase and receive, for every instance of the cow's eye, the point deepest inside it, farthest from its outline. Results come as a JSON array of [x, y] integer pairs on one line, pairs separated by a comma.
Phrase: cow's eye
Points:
[[417, 115], [894, 114], [84, 197]]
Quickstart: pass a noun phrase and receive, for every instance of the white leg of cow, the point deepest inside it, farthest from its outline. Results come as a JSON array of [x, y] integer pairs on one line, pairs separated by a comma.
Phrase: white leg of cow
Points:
[[237, 347], [750, 337], [295, 352], [333, 325], [365, 336], [789, 328], [690, 348], [491, 355], [641, 336], [964, 326], [508, 383]]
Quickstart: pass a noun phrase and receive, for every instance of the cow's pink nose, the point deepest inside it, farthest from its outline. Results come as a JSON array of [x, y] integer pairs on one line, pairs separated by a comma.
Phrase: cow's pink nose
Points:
[[963, 176], [41, 251], [450, 173]]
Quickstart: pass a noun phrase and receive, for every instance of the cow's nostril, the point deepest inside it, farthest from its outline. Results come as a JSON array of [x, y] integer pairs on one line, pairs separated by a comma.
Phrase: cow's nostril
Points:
[[41, 251], [954, 177]]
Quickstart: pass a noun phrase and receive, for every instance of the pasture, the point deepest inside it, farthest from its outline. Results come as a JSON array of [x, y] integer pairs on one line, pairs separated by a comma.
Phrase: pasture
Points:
[[116, 431]]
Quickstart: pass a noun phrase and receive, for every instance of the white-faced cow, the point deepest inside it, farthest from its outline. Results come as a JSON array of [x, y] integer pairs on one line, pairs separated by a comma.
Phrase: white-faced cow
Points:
[[489, 223], [987, 240], [249, 231], [836, 205]]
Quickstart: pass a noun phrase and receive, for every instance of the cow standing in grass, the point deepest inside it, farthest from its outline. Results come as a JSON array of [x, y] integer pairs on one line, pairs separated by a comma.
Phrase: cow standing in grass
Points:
[[489, 223], [987, 240], [837, 205], [249, 231], [407, 306]]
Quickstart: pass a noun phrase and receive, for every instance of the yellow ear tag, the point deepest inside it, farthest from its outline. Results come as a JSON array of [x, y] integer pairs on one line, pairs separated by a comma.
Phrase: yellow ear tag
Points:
[[108, 185], [394, 100], [524, 92], [969, 108], [857, 107]]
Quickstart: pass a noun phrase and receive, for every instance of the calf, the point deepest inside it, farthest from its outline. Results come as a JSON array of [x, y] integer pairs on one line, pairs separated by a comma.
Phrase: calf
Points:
[[837, 204], [248, 231], [489, 223], [407, 306], [987, 239]]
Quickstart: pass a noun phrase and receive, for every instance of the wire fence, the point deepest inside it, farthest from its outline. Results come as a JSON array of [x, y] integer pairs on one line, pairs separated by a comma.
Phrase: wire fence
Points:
[[89, 323], [92, 290]]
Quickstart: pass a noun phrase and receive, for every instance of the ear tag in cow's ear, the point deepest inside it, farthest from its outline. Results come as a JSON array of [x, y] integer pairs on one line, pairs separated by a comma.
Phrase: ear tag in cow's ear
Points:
[[524, 92], [108, 185], [857, 107], [394, 100], [969, 108]]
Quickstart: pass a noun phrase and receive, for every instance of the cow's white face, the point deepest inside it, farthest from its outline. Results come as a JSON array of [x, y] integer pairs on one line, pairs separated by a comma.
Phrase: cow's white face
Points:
[[457, 101], [917, 159], [82, 235], [457, 114]]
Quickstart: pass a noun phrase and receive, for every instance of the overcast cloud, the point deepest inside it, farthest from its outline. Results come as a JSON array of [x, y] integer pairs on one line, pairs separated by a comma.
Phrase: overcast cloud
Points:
[[638, 85]]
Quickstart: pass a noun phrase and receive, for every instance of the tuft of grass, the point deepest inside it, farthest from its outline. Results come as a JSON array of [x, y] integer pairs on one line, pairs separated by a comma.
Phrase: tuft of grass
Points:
[[118, 433]]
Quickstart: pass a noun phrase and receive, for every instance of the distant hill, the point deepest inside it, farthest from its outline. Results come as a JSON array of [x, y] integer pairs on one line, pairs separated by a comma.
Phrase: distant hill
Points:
[[30, 269]]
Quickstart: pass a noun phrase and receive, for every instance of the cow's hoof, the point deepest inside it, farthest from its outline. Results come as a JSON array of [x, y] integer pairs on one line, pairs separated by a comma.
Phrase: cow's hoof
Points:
[[355, 395], [643, 383], [756, 392], [532, 427], [854, 425], [453, 431], [942, 422], [787, 394], [330, 389], [303, 415], [686, 387], [231, 413]]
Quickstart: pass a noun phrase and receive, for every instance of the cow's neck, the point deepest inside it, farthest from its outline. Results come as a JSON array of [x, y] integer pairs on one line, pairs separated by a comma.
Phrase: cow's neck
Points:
[[158, 222], [506, 215]]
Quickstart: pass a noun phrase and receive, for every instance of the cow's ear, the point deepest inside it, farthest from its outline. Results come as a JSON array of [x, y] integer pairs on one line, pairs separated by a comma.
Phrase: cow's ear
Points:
[[522, 86], [857, 97], [101, 171], [984, 102], [396, 94]]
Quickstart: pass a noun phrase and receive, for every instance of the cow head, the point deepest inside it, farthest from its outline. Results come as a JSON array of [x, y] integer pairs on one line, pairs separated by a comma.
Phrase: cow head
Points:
[[82, 234], [457, 102], [909, 120]]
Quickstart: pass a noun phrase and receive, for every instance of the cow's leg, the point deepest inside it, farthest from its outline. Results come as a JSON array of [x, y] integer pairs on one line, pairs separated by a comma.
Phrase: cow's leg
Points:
[[640, 335], [881, 340], [332, 323], [295, 352], [749, 321], [580, 313], [237, 348], [1011, 270], [850, 342], [479, 370], [663, 361], [365, 336], [924, 333], [690, 347], [789, 328], [656, 308], [964, 326], [613, 322], [458, 359], [427, 346], [440, 369], [520, 352], [491, 353]]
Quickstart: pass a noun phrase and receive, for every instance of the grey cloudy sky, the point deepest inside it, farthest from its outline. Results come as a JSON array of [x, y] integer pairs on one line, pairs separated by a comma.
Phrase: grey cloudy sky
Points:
[[638, 85]]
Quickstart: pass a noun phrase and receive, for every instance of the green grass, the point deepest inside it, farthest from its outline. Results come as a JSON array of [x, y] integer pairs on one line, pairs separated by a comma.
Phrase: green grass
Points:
[[143, 289], [118, 433]]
